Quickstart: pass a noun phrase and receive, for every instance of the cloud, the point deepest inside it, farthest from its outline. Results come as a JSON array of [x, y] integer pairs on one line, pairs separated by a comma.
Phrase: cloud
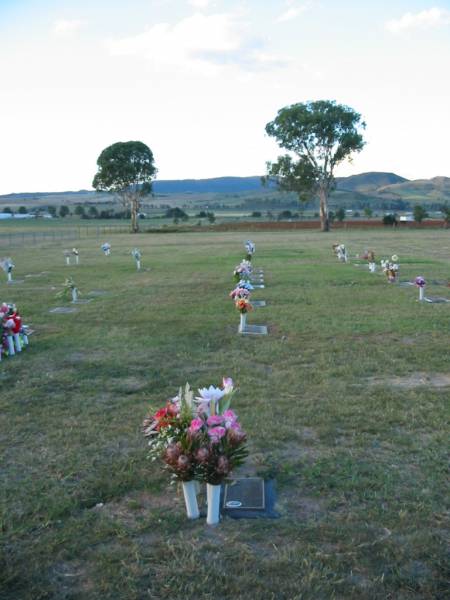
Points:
[[200, 3], [199, 42], [66, 27], [293, 11], [434, 17]]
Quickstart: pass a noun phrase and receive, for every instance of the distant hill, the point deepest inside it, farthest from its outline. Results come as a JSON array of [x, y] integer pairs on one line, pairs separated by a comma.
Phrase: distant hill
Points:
[[216, 185], [419, 190], [368, 182]]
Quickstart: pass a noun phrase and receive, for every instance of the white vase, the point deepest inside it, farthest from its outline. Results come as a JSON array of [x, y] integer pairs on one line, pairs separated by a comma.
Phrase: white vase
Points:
[[67, 260], [77, 259], [190, 499], [9, 277], [17, 342], [25, 339], [421, 293], [138, 264], [213, 500], [243, 322], [74, 295], [10, 341]]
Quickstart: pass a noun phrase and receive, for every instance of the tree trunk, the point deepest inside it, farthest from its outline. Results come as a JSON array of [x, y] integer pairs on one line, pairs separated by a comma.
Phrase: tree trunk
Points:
[[324, 220], [134, 205]]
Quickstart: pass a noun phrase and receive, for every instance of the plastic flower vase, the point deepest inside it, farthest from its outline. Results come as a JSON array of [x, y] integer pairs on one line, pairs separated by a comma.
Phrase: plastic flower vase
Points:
[[138, 264], [10, 342], [25, 339], [372, 267], [421, 293], [77, 259], [243, 322], [74, 294], [67, 260], [190, 499], [9, 277], [17, 342], [213, 500]]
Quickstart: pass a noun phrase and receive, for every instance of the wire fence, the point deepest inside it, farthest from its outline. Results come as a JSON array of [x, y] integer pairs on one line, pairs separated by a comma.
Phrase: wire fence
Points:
[[33, 238]]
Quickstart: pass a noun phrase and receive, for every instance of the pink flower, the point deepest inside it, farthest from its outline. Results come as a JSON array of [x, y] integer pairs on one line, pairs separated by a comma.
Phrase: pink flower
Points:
[[216, 434], [214, 420], [196, 425], [235, 426], [202, 455], [227, 384]]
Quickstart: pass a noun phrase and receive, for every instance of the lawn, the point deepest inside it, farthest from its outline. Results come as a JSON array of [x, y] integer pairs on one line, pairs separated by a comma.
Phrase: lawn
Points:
[[345, 404]]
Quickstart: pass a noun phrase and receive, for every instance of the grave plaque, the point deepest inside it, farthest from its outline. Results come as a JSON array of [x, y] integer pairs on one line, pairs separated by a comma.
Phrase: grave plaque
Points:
[[436, 300], [83, 301], [97, 293], [259, 303], [63, 310], [254, 330], [259, 286], [244, 494]]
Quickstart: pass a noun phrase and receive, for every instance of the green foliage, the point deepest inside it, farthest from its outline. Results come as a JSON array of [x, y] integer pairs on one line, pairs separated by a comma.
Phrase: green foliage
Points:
[[390, 219], [256, 214], [22, 210], [318, 136], [8, 210], [52, 210], [176, 213], [80, 210], [64, 211], [368, 212], [419, 213], [125, 166], [340, 214], [93, 212]]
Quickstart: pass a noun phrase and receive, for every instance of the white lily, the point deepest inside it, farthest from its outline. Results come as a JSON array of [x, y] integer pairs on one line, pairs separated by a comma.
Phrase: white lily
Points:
[[211, 397]]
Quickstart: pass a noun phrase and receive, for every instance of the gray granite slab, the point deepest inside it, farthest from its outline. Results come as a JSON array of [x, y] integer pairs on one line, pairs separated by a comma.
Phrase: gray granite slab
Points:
[[254, 330], [63, 310], [436, 300], [258, 303]]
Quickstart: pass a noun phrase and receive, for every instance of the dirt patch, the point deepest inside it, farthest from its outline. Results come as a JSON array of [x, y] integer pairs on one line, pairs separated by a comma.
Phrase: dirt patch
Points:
[[132, 508], [407, 382]]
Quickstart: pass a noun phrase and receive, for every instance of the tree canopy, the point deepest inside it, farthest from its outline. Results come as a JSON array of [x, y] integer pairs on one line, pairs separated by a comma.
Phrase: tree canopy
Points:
[[318, 136], [127, 169]]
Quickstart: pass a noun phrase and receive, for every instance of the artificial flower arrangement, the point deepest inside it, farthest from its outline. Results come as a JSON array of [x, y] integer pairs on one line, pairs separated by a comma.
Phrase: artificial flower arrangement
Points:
[[341, 252], [106, 247], [199, 440], [420, 283], [69, 290], [239, 292], [243, 271], [7, 265], [136, 254], [370, 257], [244, 306], [250, 248], [13, 334], [76, 253], [391, 268]]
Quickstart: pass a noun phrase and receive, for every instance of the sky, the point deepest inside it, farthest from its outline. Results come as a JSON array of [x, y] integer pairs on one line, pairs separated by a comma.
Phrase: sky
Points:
[[197, 81]]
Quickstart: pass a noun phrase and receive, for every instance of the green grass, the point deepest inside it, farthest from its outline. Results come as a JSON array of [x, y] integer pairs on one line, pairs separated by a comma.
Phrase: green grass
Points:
[[360, 464]]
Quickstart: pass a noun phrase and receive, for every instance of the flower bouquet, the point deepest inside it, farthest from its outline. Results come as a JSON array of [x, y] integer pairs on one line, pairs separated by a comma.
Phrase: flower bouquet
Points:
[[13, 336], [106, 247], [242, 271], [250, 248], [69, 290], [420, 283], [76, 253], [341, 252], [7, 265], [198, 440], [240, 292], [244, 306], [136, 254], [391, 268], [371, 260]]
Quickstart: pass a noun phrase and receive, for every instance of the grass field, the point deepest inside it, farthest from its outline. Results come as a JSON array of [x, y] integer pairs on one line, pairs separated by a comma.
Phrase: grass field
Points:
[[346, 405]]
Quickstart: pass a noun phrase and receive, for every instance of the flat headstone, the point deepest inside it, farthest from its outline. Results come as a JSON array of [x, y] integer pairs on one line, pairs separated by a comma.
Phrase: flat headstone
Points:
[[258, 303], [254, 330], [436, 300], [249, 498], [15, 281], [83, 301], [406, 283], [63, 309], [259, 286], [97, 293], [244, 494]]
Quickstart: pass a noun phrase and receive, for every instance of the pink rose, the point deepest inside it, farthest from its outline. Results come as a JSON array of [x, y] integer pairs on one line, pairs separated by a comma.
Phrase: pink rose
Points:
[[214, 420], [216, 434]]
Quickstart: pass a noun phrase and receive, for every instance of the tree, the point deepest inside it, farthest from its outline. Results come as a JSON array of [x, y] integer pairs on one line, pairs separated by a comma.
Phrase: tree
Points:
[[79, 210], [211, 217], [93, 212], [64, 211], [126, 169], [445, 210], [318, 136], [8, 210], [419, 213], [368, 212], [52, 210], [22, 210], [176, 213], [340, 214]]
